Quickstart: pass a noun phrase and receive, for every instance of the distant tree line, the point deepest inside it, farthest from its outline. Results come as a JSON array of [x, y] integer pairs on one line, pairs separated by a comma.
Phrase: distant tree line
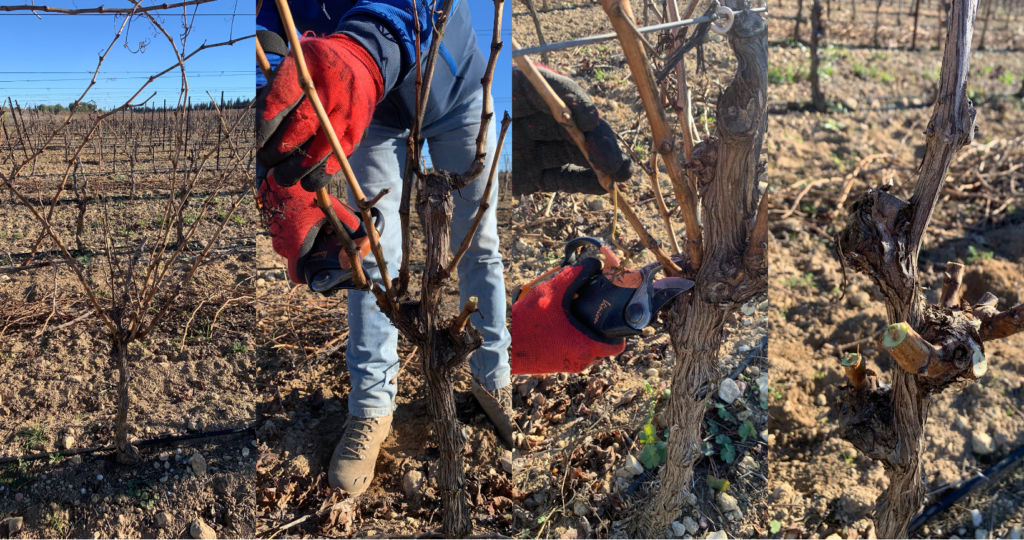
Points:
[[237, 103]]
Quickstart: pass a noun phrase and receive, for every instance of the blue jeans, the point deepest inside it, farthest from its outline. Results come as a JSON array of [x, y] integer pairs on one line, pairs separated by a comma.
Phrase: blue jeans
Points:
[[379, 162]]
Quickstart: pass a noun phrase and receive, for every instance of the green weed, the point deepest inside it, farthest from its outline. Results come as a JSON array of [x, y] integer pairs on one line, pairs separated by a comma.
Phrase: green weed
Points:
[[976, 256]]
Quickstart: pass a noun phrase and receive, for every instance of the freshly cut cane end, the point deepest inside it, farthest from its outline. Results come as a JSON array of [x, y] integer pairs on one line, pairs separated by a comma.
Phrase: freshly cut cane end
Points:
[[748, 308], [894, 335], [978, 360], [850, 359]]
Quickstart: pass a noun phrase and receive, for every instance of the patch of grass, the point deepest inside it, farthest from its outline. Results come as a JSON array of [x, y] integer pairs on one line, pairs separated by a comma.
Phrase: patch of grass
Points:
[[237, 347], [787, 74], [57, 522], [31, 436], [1007, 78], [977, 256], [805, 281]]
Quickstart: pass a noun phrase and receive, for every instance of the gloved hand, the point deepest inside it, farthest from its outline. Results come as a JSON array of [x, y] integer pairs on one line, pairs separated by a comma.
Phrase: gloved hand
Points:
[[294, 221], [288, 135], [544, 156], [546, 338]]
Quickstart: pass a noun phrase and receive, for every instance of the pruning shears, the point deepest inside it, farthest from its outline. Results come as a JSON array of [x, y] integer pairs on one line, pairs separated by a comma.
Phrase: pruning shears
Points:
[[325, 273], [614, 303]]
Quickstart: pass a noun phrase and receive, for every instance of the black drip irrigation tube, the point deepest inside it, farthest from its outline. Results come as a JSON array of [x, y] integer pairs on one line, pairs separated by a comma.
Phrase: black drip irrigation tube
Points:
[[150, 442], [986, 479]]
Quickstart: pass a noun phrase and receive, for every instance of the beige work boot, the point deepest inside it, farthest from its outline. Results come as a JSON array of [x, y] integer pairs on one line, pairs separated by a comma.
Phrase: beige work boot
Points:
[[498, 406], [356, 454]]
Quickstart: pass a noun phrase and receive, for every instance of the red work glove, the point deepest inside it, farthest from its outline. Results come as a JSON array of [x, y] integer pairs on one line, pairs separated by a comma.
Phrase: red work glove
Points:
[[294, 220], [288, 134], [546, 338]]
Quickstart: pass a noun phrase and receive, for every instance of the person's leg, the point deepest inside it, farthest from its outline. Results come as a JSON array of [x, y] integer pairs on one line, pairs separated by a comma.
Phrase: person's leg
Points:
[[452, 146], [372, 355]]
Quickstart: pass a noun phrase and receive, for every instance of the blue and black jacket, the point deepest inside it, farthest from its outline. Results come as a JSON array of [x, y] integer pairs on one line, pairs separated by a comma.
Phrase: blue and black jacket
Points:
[[386, 29]]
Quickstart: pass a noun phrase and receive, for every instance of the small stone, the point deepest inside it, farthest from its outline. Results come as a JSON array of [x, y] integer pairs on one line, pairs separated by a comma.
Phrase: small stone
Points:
[[875, 104], [850, 103], [261, 282], [633, 466], [597, 205], [982, 443], [727, 503], [245, 451], [191, 425], [820, 400], [164, 456], [163, 519], [752, 372], [198, 463], [14, 525], [506, 462], [580, 508], [976, 518], [728, 391], [690, 524], [200, 529], [521, 246], [76, 460], [157, 465], [716, 535], [167, 465], [68, 442], [749, 464], [652, 373], [858, 299], [678, 529], [412, 482], [18, 497]]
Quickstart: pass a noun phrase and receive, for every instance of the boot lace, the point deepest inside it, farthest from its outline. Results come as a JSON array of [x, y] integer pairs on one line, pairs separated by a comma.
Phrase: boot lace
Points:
[[357, 433]]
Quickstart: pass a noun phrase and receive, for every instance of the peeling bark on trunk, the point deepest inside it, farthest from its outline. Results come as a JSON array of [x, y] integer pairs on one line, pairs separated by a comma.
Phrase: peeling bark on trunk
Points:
[[726, 171], [882, 239]]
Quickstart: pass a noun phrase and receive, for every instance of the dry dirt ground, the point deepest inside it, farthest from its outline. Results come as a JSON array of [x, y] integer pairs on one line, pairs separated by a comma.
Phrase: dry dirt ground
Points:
[[59, 382], [575, 479], [820, 486]]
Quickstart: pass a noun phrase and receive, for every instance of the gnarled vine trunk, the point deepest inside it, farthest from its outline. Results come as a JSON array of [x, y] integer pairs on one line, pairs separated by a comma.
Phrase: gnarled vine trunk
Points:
[[734, 269], [882, 239]]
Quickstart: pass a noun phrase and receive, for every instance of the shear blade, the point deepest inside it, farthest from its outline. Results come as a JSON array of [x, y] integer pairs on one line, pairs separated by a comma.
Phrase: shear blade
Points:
[[665, 289]]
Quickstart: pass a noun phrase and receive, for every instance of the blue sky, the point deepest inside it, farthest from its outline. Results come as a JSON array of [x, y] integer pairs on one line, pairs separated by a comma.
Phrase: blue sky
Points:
[[59, 53], [501, 90], [50, 60]]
